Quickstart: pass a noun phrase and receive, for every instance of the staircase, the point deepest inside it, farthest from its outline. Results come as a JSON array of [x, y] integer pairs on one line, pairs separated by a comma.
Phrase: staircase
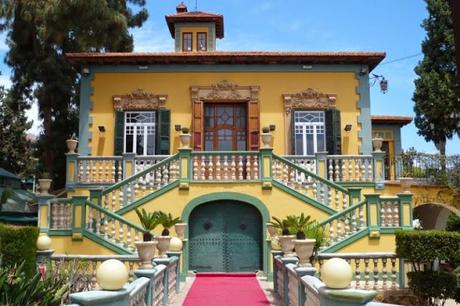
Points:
[[349, 216]]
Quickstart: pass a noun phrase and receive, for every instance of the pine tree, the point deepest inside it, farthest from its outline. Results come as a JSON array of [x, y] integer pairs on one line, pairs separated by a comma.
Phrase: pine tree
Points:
[[39, 33], [437, 107], [15, 149]]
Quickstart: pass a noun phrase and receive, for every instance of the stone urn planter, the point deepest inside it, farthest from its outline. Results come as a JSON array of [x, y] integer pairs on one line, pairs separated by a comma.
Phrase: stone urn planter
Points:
[[377, 144], [163, 245], [304, 250], [406, 182], [71, 145], [146, 252], [266, 140], [271, 230], [180, 230], [44, 185], [287, 244]]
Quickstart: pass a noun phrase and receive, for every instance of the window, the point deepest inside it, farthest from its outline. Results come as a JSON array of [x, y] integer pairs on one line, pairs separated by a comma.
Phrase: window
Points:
[[140, 133], [202, 41], [187, 41], [309, 132]]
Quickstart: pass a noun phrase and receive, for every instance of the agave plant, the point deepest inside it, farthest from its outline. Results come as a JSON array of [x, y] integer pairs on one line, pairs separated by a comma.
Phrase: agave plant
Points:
[[149, 221], [167, 221]]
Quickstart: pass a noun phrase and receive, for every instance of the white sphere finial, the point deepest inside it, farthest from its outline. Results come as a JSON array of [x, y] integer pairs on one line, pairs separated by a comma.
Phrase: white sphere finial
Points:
[[336, 273], [112, 274], [43, 242]]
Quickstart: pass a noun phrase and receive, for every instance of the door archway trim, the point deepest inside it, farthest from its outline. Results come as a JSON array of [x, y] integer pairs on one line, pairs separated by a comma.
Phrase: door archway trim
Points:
[[234, 196]]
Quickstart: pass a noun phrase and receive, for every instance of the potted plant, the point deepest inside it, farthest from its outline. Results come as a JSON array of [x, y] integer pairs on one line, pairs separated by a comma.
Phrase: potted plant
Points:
[[266, 137], [72, 143], [316, 234], [185, 137], [164, 241], [303, 247], [180, 230], [377, 143], [146, 248], [286, 239], [44, 183]]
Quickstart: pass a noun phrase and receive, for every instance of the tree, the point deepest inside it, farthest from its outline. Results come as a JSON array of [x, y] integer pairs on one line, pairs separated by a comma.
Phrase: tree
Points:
[[39, 33], [437, 108], [15, 149]]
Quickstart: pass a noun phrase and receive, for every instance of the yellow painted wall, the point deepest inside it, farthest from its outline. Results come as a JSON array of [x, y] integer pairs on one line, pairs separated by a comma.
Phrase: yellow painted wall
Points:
[[177, 87], [194, 31], [386, 243], [65, 245]]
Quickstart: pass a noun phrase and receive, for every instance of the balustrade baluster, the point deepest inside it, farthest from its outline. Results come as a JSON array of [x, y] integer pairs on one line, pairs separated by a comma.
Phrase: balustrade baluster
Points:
[[233, 168], [121, 233], [395, 213], [344, 169], [165, 175], [357, 273], [375, 273], [331, 170], [120, 171], [203, 168], [211, 168], [338, 175], [128, 237], [195, 168], [256, 168], [131, 271], [90, 219], [93, 274], [366, 274], [356, 178], [393, 273], [218, 168], [384, 273]]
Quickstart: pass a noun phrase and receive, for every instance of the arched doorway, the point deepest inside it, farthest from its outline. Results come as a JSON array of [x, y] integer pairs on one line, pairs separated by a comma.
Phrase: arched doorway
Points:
[[225, 236], [434, 215]]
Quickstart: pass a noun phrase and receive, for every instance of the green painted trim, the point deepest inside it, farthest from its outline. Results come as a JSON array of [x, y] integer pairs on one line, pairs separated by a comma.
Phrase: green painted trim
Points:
[[86, 92], [356, 184], [304, 198], [226, 68], [234, 196], [211, 45], [314, 175], [390, 230], [117, 249], [147, 198], [339, 214], [351, 239], [59, 232], [364, 106], [139, 174]]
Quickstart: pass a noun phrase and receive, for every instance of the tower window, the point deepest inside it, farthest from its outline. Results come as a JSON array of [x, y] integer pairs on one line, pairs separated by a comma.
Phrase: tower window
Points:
[[202, 41], [187, 41]]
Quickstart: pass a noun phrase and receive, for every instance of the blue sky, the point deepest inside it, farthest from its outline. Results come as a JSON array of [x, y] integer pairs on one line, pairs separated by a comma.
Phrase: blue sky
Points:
[[392, 26]]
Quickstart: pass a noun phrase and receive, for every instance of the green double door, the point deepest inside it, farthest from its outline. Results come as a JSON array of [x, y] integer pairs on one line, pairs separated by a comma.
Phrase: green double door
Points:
[[225, 236]]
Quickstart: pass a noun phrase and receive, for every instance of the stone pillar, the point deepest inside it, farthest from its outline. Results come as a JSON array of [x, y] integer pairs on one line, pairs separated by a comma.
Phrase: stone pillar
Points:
[[266, 155], [321, 164], [185, 168], [78, 217], [71, 171], [129, 165], [373, 214]]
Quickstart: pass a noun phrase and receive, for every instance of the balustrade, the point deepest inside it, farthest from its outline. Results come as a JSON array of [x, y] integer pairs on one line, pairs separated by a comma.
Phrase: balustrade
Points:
[[389, 212], [141, 184], [144, 162], [309, 184], [99, 170], [61, 214], [350, 168], [158, 285], [138, 293], [225, 166]]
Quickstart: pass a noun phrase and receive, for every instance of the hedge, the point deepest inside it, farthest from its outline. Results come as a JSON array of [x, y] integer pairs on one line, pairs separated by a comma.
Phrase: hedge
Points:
[[18, 244], [426, 246], [433, 285]]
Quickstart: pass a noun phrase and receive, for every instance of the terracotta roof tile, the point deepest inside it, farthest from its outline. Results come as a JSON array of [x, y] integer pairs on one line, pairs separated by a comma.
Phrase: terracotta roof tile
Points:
[[228, 57], [196, 16], [399, 120]]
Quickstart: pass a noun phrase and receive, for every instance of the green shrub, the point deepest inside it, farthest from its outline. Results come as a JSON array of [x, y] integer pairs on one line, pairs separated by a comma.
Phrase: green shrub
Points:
[[18, 244], [453, 223], [432, 285], [426, 246]]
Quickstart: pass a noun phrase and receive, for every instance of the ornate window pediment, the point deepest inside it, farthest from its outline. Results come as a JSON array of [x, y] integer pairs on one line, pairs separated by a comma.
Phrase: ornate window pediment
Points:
[[138, 100], [225, 90], [308, 99]]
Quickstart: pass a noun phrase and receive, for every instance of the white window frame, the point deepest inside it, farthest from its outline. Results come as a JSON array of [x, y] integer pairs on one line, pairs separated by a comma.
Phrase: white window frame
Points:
[[141, 125], [303, 126]]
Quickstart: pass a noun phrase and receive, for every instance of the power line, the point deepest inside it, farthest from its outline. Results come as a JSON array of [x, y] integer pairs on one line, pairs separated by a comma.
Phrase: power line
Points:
[[401, 59]]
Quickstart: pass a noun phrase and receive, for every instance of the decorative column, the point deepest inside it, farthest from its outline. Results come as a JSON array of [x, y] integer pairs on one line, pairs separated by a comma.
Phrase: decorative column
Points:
[[71, 171], [266, 155], [185, 168], [373, 214], [78, 217], [379, 169], [405, 210]]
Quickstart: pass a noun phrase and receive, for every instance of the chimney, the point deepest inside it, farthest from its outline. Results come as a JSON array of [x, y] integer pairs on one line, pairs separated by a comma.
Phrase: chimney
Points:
[[181, 8]]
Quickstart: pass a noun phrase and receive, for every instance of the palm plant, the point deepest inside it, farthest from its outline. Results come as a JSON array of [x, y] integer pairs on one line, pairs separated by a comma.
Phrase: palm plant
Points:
[[149, 221], [314, 231], [283, 225], [167, 221], [300, 224]]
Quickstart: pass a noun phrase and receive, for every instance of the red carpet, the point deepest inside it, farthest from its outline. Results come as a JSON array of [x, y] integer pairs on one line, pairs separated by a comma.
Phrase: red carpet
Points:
[[225, 289]]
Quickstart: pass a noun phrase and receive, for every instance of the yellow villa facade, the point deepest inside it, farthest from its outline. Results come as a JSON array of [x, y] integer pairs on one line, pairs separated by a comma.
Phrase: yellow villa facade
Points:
[[267, 134]]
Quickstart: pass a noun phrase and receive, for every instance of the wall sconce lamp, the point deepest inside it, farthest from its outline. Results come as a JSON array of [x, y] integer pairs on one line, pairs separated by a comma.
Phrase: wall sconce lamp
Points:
[[272, 127], [348, 127], [85, 71], [101, 128], [177, 127]]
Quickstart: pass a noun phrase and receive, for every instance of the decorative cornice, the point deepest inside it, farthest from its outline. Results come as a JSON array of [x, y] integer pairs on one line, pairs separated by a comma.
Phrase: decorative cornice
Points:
[[138, 100], [225, 91], [308, 99]]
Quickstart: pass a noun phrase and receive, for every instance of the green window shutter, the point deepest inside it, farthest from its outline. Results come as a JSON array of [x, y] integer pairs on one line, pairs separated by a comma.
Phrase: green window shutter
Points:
[[163, 131], [333, 132], [119, 132], [292, 133]]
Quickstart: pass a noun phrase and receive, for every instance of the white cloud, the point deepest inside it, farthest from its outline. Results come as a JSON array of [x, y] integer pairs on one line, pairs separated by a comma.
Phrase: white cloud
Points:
[[152, 38]]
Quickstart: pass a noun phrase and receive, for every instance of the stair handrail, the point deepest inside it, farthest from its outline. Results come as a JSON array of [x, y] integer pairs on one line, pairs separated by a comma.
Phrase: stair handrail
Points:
[[314, 175], [139, 174], [114, 216], [342, 212]]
